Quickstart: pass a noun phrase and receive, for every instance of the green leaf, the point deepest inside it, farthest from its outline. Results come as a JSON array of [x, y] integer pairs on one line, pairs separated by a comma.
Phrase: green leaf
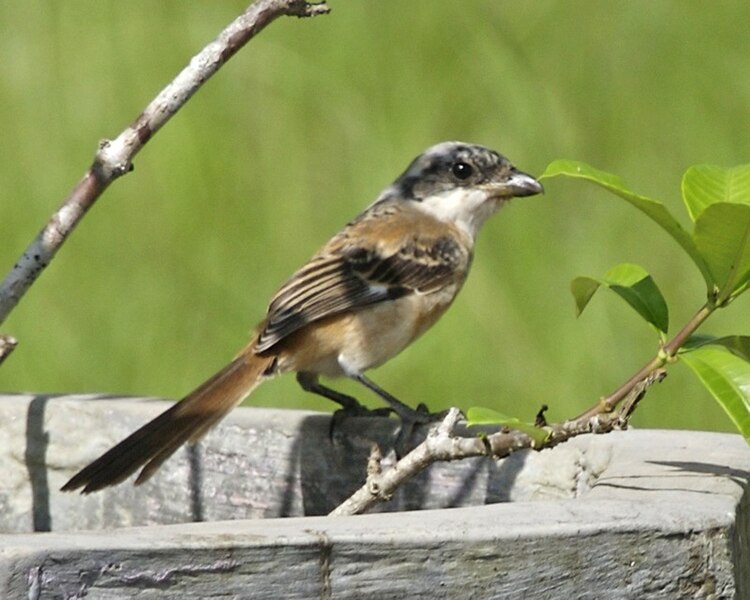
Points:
[[739, 345], [652, 208], [583, 289], [704, 185], [479, 415], [722, 236], [727, 377], [634, 285]]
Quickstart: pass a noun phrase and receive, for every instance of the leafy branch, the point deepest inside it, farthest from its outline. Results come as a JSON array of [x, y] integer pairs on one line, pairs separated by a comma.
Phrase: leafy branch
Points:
[[718, 202]]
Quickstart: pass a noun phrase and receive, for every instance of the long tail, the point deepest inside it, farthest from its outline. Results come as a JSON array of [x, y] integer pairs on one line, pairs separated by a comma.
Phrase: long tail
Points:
[[187, 420]]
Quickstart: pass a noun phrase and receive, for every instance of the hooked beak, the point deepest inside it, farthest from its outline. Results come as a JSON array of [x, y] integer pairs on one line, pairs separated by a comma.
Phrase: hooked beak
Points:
[[520, 184]]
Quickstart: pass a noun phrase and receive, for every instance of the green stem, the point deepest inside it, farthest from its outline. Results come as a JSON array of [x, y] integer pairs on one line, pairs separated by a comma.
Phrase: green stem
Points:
[[666, 354]]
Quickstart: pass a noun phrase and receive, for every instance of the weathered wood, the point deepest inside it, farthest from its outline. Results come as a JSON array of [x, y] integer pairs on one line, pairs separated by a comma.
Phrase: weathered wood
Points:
[[638, 514]]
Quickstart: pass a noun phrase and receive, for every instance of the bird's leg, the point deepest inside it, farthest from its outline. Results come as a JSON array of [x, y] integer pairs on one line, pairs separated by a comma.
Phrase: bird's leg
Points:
[[309, 382], [350, 407], [409, 416]]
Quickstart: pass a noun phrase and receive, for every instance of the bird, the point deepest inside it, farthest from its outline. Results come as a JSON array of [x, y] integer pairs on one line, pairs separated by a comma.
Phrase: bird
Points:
[[364, 296]]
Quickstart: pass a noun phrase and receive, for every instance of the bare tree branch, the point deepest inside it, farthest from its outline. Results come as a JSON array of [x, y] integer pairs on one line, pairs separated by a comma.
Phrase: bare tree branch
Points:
[[442, 444], [114, 157]]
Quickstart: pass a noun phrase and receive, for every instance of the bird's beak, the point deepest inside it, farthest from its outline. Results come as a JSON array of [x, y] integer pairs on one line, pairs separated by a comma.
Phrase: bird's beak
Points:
[[520, 184]]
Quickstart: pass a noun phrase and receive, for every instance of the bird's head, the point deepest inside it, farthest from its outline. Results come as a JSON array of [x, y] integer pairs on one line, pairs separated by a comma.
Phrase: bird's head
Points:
[[462, 183]]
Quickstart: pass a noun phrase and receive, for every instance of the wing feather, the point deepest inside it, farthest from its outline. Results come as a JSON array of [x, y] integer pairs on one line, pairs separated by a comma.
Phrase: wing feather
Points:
[[348, 276]]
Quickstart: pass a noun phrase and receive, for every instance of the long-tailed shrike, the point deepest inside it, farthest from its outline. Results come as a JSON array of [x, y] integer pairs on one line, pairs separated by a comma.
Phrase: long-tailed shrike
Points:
[[375, 287]]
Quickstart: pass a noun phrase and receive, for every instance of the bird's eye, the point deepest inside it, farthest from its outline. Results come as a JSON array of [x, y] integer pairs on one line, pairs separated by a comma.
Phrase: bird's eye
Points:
[[462, 170]]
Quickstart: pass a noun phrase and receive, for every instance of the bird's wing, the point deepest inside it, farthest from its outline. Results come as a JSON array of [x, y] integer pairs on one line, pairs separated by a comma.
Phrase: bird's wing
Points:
[[348, 274]]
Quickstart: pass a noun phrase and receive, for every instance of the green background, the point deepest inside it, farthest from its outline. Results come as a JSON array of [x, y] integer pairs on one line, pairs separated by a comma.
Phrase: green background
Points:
[[164, 279]]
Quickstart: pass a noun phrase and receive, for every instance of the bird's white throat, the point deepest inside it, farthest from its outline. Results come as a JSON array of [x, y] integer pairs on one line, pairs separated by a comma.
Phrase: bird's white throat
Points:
[[466, 208]]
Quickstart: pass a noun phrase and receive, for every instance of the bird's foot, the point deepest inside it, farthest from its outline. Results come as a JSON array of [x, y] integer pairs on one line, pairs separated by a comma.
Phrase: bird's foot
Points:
[[410, 419]]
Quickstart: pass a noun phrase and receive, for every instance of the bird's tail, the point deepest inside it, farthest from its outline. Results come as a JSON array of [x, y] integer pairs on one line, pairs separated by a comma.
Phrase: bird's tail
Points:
[[187, 420]]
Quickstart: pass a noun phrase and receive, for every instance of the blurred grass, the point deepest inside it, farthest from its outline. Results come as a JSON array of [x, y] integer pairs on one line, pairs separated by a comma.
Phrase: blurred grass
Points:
[[163, 280]]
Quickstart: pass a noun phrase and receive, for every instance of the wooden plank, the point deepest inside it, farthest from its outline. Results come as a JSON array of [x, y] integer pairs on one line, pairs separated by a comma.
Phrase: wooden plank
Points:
[[637, 514]]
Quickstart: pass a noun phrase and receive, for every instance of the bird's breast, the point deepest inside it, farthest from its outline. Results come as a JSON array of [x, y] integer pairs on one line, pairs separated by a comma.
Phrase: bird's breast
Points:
[[363, 339]]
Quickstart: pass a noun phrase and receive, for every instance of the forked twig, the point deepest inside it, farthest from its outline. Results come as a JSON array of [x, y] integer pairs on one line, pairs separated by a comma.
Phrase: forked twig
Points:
[[442, 444]]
